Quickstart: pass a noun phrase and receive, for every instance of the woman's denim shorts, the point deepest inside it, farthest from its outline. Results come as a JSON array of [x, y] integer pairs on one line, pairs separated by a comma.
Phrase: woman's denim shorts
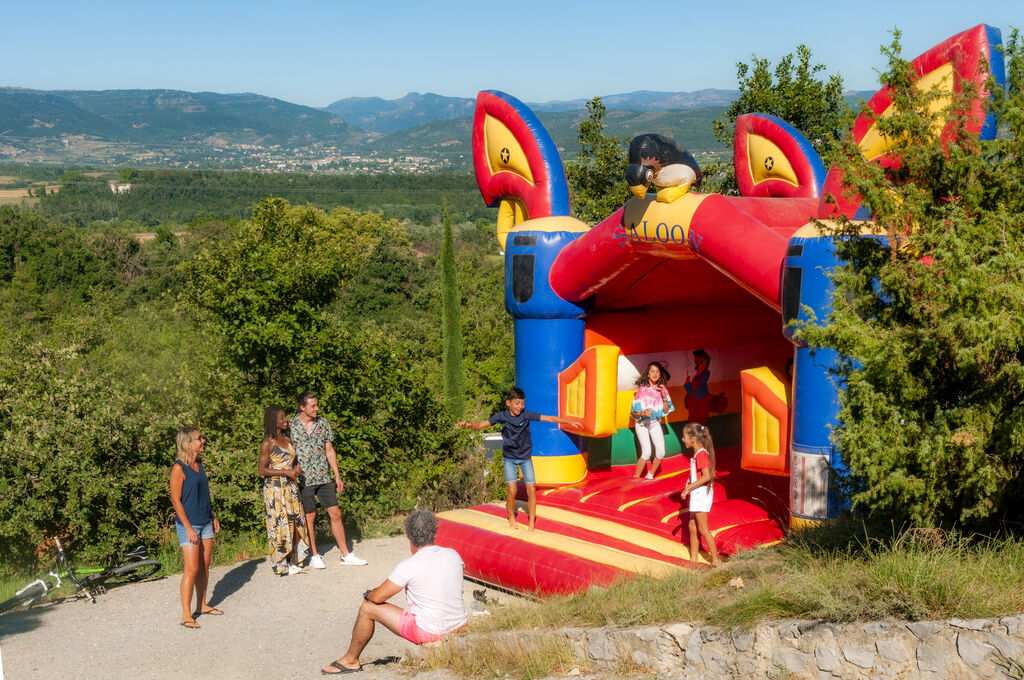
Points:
[[202, 531]]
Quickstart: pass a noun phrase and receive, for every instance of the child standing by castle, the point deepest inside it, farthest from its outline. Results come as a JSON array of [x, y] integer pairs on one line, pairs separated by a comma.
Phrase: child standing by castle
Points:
[[700, 488], [517, 449], [650, 404]]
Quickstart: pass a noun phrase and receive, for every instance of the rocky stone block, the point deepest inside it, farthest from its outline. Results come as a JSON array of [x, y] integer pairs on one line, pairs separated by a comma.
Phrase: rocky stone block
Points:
[[924, 629], [742, 640], [599, 647], [792, 660], [710, 634], [968, 624], [579, 647], [718, 661], [693, 649], [859, 656], [876, 627], [973, 652], [766, 639], [790, 629], [679, 633], [1011, 649], [809, 627], [891, 651], [828, 659], [1014, 624], [641, 658], [931, 658], [650, 634]]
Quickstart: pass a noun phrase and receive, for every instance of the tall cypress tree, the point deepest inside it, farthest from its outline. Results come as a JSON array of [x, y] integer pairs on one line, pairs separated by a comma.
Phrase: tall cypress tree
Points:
[[451, 323]]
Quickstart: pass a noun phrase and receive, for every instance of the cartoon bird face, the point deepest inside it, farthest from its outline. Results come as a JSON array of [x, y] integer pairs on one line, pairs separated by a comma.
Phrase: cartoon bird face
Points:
[[639, 177]]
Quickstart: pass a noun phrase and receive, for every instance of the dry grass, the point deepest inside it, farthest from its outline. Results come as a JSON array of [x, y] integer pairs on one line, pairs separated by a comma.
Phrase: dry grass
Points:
[[526, 658], [907, 576], [144, 236], [1013, 668], [20, 196], [837, 573], [16, 197]]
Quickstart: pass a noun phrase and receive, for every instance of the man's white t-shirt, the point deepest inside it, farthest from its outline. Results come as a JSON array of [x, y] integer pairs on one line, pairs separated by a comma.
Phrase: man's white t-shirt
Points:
[[432, 579]]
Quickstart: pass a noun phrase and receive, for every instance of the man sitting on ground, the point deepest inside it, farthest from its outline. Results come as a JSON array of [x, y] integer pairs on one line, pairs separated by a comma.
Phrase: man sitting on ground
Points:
[[432, 579]]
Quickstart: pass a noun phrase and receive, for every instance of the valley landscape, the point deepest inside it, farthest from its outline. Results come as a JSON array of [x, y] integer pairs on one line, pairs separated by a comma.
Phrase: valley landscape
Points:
[[414, 134]]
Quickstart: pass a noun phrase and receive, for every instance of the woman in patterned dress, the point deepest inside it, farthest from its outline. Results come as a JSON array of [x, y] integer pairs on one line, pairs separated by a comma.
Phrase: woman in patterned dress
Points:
[[286, 524]]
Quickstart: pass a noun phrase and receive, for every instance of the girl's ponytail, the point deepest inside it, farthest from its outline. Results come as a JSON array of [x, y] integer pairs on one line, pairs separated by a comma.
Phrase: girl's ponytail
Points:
[[702, 434], [708, 444]]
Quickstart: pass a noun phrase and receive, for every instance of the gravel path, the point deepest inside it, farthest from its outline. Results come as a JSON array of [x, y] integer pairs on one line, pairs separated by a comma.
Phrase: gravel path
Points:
[[273, 627]]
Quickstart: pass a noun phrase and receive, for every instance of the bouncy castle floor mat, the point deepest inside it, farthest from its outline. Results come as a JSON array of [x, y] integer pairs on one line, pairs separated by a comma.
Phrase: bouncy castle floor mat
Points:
[[610, 525]]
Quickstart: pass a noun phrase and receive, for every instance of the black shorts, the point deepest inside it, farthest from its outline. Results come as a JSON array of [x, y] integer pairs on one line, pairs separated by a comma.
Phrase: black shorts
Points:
[[327, 493]]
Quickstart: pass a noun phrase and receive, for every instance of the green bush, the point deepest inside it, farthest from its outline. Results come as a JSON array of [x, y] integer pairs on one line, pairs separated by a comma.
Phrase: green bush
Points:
[[929, 322], [110, 345]]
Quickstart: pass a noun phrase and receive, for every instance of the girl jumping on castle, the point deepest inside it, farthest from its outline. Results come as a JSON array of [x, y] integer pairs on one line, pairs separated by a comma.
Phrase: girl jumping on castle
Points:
[[650, 405], [700, 488]]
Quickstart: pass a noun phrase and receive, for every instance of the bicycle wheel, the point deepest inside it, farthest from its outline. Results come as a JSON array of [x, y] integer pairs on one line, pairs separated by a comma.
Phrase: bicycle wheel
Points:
[[30, 595], [129, 573]]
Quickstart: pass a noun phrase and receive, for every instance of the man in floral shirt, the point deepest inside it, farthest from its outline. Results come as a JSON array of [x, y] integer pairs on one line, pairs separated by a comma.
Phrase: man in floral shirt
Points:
[[314, 444]]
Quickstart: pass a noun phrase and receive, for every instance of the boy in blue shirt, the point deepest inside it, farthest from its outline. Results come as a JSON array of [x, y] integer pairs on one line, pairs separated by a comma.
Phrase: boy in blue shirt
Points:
[[516, 448]]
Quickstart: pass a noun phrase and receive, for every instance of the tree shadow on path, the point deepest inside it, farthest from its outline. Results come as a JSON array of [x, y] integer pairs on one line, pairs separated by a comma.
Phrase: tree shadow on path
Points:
[[22, 620]]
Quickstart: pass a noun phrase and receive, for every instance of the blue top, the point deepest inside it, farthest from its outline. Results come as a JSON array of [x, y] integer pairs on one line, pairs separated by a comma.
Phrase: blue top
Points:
[[699, 387], [195, 495], [515, 433]]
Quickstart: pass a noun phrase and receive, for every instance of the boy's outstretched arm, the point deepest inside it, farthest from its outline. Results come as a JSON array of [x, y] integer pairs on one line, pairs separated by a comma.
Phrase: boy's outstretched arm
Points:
[[478, 425], [555, 419]]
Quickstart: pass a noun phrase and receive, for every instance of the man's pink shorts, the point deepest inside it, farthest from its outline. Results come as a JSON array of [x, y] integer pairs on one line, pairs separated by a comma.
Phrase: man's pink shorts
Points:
[[408, 629]]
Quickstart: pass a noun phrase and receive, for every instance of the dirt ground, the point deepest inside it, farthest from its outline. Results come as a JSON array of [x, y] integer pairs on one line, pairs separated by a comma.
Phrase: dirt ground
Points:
[[272, 627]]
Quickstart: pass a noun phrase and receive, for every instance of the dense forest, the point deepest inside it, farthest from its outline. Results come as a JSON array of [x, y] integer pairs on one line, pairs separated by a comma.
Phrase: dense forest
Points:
[[181, 196], [111, 342]]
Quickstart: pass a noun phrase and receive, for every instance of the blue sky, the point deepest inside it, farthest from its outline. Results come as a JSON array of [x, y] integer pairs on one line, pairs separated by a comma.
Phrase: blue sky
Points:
[[316, 52]]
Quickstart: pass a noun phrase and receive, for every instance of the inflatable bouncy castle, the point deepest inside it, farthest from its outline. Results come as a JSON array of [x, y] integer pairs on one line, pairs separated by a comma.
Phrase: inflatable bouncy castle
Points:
[[704, 284]]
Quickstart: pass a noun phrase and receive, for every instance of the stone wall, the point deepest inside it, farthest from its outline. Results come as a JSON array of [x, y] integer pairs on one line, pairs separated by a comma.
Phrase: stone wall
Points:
[[952, 649]]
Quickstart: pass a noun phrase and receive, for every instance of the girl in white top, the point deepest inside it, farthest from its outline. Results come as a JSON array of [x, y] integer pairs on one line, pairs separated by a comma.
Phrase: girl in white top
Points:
[[650, 405], [700, 488]]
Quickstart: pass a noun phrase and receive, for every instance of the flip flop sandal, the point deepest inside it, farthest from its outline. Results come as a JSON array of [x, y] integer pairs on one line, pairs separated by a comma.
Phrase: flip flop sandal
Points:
[[212, 612], [341, 669], [190, 624]]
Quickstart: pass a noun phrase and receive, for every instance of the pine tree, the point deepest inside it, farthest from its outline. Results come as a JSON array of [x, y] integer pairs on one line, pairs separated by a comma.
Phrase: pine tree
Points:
[[597, 177], [451, 323], [793, 92]]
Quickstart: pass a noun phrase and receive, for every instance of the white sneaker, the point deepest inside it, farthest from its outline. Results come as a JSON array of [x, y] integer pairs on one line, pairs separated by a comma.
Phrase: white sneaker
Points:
[[294, 569], [317, 562], [351, 559], [649, 476]]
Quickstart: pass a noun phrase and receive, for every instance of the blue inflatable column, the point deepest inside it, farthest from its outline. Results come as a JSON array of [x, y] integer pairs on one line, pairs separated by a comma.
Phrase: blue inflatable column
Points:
[[806, 282], [548, 337]]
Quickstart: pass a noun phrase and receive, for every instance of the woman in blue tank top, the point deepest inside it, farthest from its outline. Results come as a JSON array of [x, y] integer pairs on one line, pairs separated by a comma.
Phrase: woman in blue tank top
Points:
[[195, 521]]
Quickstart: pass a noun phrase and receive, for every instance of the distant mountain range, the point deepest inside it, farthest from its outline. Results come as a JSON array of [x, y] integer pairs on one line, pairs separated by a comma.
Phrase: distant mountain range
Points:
[[169, 116], [692, 128], [391, 115], [174, 128]]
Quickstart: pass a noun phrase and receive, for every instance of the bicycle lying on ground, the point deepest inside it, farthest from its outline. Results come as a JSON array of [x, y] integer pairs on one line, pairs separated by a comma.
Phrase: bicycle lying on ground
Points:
[[88, 581]]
